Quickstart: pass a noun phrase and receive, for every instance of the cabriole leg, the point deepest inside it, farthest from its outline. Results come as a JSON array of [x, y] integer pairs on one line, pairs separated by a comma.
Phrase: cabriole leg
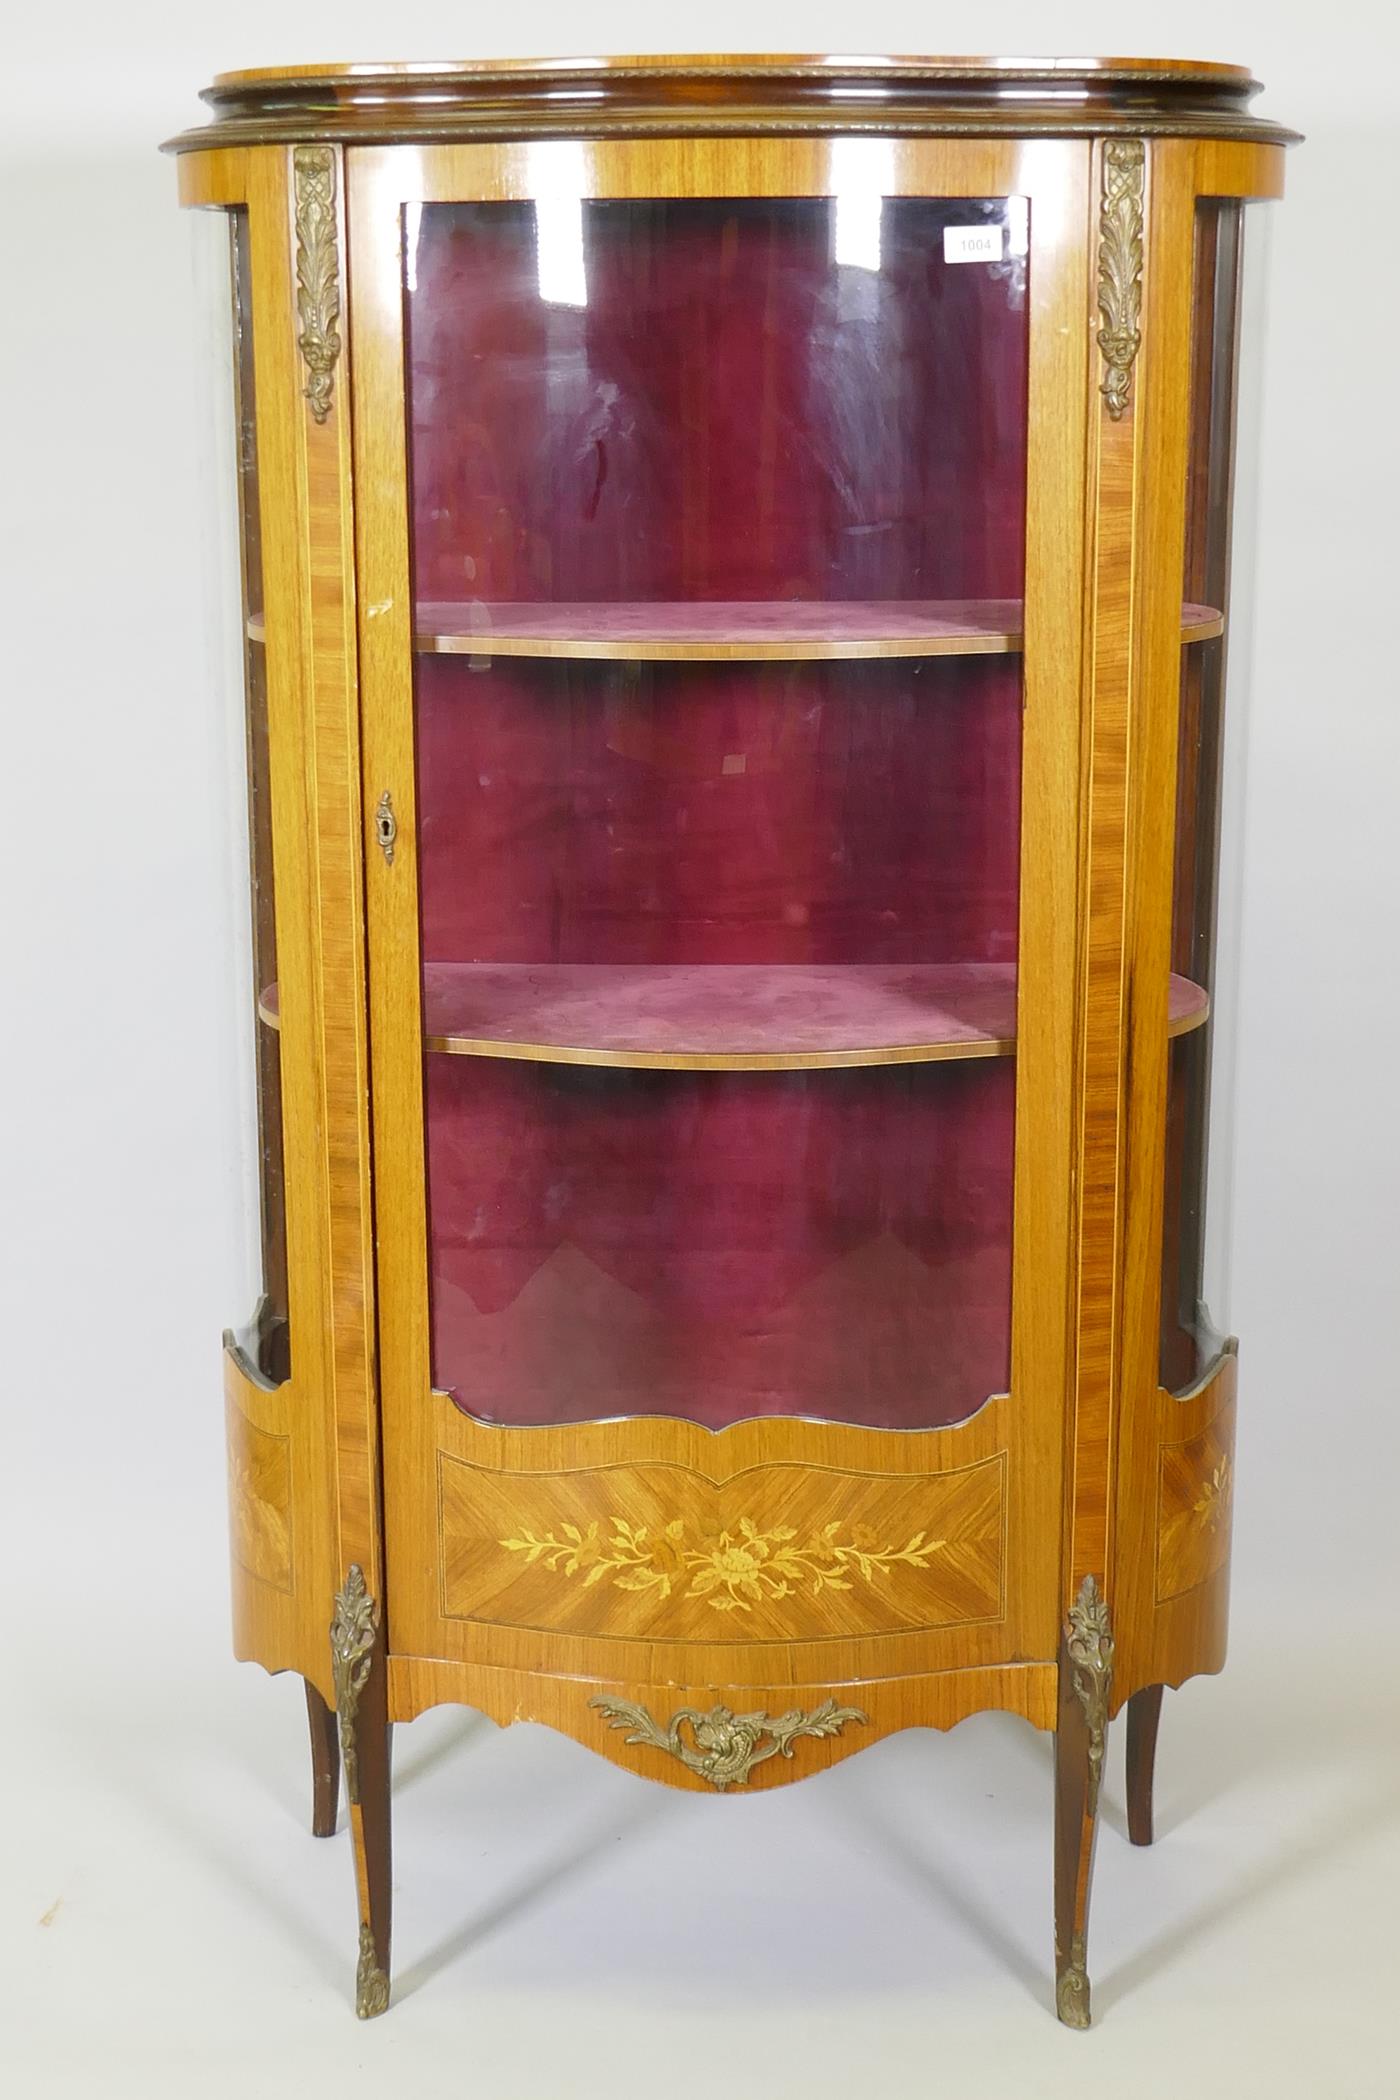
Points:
[[1086, 1675], [1144, 1713], [357, 1654], [325, 1763]]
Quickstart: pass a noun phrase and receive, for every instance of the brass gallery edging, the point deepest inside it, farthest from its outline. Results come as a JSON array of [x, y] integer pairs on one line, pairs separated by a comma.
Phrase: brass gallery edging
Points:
[[1120, 268], [318, 272], [343, 127]]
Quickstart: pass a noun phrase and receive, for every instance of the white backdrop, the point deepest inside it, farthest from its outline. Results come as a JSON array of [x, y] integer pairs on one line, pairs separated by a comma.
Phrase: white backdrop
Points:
[[130, 1734]]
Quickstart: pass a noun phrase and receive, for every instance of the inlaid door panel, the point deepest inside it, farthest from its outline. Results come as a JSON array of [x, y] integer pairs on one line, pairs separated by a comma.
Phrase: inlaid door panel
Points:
[[782, 1554]]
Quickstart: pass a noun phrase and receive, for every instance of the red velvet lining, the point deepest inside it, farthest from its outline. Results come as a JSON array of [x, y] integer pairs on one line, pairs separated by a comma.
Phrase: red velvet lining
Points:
[[720, 1245], [862, 812], [728, 416]]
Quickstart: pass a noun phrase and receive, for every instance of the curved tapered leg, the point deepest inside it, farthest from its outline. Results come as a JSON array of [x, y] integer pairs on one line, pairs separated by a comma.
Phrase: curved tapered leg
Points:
[[1086, 1674], [1144, 1713], [325, 1763], [357, 1655]]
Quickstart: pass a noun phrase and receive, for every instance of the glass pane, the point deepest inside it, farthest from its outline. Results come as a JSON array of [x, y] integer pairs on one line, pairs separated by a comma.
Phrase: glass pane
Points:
[[1209, 779], [718, 522], [265, 1339]]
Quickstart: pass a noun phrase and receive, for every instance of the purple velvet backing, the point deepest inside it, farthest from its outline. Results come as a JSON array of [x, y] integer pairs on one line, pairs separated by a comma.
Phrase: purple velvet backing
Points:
[[729, 416], [720, 1244], [743, 620], [719, 812], [734, 1010]]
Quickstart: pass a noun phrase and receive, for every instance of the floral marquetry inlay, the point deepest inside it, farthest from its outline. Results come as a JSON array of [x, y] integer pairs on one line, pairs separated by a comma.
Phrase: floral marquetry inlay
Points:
[[777, 1553], [1195, 1497], [1212, 1505], [734, 1570]]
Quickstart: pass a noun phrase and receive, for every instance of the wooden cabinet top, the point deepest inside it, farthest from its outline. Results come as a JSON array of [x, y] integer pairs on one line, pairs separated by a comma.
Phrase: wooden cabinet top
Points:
[[745, 93]]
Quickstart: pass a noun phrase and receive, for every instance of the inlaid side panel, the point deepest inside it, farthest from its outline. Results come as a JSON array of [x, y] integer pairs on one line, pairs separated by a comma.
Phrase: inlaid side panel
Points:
[[1195, 1500], [260, 1498], [268, 1616], [1172, 1605], [779, 1553], [1169, 1558], [302, 1458]]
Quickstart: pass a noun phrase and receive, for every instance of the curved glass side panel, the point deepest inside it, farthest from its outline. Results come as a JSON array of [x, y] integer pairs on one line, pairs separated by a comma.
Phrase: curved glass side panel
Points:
[[1195, 1308], [718, 527], [264, 1339]]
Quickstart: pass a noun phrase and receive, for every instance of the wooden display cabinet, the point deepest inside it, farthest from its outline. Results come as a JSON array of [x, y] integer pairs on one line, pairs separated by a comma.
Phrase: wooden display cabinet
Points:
[[735, 571]]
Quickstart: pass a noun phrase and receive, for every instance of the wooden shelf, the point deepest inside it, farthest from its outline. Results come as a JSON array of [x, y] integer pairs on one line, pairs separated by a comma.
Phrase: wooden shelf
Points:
[[750, 631], [720, 1017]]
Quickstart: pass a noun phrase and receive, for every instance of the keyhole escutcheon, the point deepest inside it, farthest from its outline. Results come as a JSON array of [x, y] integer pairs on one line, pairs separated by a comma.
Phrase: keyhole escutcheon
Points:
[[386, 826]]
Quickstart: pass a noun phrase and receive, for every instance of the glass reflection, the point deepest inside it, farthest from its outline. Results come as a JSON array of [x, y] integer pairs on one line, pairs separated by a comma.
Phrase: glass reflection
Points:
[[557, 174]]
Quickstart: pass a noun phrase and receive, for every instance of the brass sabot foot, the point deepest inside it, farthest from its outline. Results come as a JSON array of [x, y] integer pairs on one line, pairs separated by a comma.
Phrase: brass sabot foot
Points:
[[371, 1983], [1072, 1988]]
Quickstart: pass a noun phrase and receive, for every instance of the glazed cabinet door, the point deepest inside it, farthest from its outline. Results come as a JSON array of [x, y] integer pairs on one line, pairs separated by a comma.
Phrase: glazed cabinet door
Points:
[[299, 1376], [1176, 1470], [719, 514]]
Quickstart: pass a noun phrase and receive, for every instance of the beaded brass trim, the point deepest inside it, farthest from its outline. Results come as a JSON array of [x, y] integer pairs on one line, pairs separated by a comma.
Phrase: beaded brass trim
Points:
[[354, 1629], [1120, 268], [731, 97], [318, 271], [726, 1745], [1089, 1646]]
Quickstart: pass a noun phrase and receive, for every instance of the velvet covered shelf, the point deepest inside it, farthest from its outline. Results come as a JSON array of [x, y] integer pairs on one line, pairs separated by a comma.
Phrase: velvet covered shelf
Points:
[[746, 1017], [738, 631]]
